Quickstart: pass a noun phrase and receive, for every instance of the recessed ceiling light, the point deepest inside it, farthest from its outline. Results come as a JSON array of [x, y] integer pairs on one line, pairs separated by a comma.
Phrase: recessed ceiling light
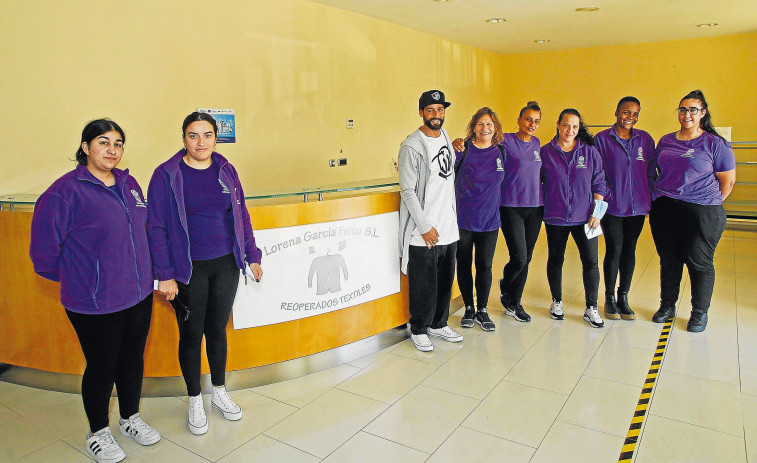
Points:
[[441, 1], [707, 25], [587, 9], [495, 20], [540, 41]]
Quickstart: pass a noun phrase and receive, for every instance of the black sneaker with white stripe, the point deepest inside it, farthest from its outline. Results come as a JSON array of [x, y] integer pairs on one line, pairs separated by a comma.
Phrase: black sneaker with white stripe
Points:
[[518, 313]]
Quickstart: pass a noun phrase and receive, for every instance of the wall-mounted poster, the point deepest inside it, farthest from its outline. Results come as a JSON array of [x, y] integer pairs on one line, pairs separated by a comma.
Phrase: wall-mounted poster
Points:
[[227, 127]]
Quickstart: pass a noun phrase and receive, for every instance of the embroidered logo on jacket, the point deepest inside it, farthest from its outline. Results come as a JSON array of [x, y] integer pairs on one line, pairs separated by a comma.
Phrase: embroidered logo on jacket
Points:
[[499, 165], [140, 203], [225, 188], [581, 162], [640, 156], [443, 159], [688, 154], [537, 158]]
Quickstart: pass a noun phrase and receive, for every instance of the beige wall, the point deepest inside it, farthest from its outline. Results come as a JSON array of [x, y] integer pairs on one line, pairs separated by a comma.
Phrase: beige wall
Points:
[[294, 71], [659, 74]]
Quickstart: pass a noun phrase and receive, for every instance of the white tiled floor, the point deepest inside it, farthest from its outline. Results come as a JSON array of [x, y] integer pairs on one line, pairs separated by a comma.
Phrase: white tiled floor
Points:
[[544, 391]]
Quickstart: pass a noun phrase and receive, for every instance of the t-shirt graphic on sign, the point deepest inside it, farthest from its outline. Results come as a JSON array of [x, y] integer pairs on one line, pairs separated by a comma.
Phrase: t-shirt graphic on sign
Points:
[[443, 158], [328, 277]]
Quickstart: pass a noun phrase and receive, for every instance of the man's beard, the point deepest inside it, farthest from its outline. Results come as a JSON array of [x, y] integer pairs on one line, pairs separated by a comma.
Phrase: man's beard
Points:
[[433, 125]]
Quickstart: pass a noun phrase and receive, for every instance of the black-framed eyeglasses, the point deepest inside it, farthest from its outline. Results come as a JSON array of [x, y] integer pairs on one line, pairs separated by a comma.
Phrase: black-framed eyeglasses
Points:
[[693, 110]]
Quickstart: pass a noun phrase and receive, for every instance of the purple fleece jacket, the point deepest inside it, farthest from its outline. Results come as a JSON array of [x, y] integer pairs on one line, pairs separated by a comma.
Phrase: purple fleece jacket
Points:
[[167, 220], [570, 181], [93, 243], [629, 171]]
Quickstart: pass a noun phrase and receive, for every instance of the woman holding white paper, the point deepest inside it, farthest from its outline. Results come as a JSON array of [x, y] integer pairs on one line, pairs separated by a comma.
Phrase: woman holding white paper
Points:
[[574, 188], [200, 237]]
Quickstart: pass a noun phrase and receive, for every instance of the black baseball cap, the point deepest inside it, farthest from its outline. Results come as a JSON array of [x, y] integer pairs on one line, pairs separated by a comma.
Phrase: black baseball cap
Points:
[[432, 97]]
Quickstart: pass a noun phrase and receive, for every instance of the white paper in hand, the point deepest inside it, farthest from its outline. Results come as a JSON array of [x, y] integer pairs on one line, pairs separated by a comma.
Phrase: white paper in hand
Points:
[[592, 232]]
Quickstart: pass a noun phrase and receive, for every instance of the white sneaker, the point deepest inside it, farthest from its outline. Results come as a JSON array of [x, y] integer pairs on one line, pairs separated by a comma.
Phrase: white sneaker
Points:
[[422, 343], [556, 310], [137, 429], [103, 448], [198, 422], [592, 316], [446, 333], [223, 403]]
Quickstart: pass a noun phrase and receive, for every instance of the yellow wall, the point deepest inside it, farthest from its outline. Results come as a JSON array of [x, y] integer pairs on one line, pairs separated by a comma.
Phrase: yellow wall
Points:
[[293, 70], [659, 74]]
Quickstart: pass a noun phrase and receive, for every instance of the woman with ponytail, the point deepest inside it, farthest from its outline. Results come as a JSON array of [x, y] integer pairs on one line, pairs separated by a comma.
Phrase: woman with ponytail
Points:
[[521, 207], [574, 186], [697, 171], [626, 153]]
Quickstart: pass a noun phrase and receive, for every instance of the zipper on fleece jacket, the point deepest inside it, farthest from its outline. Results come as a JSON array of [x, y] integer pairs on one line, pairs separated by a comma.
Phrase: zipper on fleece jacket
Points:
[[131, 239]]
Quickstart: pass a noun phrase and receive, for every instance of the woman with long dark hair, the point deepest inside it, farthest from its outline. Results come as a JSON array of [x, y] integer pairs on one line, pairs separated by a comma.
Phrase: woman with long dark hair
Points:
[[627, 155], [200, 237], [480, 170], [697, 171], [88, 233], [574, 188]]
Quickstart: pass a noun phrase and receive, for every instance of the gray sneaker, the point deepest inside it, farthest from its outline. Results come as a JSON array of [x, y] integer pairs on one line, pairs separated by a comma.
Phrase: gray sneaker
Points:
[[446, 333], [556, 310]]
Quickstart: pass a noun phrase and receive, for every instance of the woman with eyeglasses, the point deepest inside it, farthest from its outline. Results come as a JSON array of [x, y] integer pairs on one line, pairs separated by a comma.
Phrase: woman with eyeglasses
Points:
[[626, 154], [697, 171], [88, 233], [200, 237]]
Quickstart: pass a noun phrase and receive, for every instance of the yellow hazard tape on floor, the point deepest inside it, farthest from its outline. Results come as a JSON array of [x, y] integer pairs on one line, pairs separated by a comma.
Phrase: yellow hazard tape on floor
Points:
[[632, 437]]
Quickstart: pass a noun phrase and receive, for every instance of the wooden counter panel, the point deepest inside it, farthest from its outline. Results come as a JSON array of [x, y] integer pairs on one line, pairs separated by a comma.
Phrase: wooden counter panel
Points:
[[37, 333]]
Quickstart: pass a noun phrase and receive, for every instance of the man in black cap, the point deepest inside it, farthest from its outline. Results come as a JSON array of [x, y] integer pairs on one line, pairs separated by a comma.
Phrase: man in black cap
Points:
[[428, 232]]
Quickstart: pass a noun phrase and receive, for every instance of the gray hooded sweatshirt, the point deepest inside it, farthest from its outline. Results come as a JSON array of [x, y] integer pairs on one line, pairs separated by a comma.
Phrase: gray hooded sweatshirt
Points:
[[414, 170]]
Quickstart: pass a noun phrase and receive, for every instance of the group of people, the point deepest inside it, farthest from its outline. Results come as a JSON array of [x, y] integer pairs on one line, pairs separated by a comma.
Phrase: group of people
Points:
[[93, 232], [579, 185]]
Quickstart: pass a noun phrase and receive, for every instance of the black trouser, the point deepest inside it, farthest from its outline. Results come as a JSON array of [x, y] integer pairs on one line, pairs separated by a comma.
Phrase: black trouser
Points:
[[557, 239], [209, 297], [484, 243], [114, 346], [621, 235], [520, 227], [430, 273], [686, 233]]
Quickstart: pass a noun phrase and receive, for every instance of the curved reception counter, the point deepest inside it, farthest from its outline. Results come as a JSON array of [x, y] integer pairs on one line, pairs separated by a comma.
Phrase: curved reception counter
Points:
[[324, 298]]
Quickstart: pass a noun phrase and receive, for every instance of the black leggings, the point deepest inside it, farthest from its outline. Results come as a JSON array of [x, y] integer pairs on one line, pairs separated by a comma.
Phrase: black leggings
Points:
[[484, 243], [209, 297], [520, 227], [686, 233], [621, 235], [114, 346], [557, 239]]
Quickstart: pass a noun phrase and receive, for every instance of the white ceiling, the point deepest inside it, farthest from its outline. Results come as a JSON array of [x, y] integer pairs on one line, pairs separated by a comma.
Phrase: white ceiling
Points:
[[615, 23]]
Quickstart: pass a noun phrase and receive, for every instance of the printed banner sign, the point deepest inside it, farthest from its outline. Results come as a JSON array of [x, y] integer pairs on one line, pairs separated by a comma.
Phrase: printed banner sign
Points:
[[313, 269], [227, 127]]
